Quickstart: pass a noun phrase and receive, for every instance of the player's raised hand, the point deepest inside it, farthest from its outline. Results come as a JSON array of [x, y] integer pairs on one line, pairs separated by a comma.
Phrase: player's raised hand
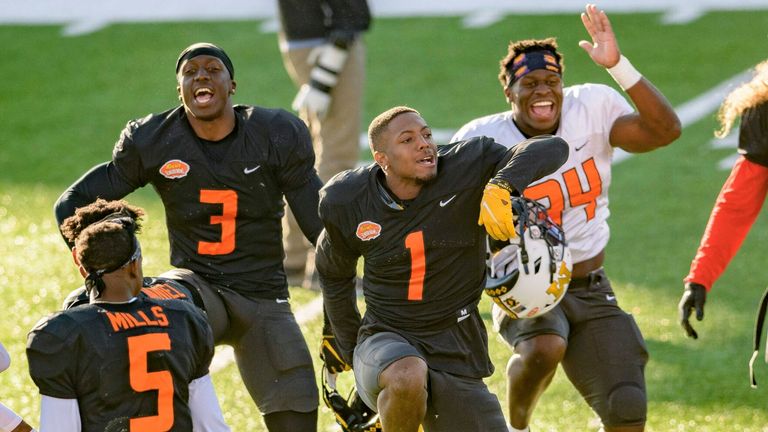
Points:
[[603, 49]]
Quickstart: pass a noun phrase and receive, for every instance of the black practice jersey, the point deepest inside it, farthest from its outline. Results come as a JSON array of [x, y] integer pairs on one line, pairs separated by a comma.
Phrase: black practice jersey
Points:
[[223, 218], [424, 263], [128, 363], [753, 141]]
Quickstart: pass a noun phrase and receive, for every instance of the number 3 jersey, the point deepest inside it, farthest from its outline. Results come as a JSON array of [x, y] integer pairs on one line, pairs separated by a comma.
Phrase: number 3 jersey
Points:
[[127, 363], [223, 200], [577, 193]]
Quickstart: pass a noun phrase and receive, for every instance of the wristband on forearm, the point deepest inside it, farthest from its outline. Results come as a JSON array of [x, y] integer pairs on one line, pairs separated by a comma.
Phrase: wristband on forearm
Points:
[[500, 182], [624, 73]]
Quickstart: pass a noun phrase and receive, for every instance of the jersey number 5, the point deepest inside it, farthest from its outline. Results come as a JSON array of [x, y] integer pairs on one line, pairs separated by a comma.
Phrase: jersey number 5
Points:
[[552, 190], [228, 200], [142, 380]]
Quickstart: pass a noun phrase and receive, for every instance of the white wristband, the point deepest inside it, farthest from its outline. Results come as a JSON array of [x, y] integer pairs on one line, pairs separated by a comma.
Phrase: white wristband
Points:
[[625, 74]]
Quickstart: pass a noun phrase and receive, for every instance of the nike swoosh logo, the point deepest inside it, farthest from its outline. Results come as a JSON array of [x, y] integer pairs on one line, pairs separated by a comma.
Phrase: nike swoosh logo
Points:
[[282, 300], [610, 297], [445, 203], [250, 170], [581, 147]]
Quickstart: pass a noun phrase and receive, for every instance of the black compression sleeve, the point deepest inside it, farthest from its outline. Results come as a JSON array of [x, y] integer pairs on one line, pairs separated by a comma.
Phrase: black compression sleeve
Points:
[[303, 202], [531, 160], [102, 181]]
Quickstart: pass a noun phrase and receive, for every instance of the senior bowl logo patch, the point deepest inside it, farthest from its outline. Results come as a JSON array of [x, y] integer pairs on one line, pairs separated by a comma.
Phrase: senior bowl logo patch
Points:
[[368, 230], [174, 169]]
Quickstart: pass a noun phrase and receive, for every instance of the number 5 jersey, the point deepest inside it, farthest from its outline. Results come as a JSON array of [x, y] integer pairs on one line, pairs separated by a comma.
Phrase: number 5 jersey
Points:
[[128, 365]]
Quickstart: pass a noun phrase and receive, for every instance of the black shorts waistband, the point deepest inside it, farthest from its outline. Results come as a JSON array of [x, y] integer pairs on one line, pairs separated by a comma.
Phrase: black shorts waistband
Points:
[[593, 277]]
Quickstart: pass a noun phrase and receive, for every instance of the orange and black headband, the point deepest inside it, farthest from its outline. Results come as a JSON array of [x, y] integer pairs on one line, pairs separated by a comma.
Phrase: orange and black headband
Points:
[[531, 61]]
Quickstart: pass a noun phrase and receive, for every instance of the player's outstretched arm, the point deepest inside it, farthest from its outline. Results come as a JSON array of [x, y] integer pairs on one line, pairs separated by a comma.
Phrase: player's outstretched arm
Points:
[[204, 407], [655, 123], [101, 181]]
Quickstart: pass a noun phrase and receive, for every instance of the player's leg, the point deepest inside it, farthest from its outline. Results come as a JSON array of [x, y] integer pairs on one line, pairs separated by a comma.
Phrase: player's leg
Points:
[[539, 345], [459, 403], [602, 333], [274, 362], [391, 378], [213, 305]]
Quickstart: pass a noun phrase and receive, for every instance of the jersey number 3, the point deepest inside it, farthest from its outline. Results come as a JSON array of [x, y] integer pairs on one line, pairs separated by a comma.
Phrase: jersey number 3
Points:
[[142, 381], [228, 200], [577, 195]]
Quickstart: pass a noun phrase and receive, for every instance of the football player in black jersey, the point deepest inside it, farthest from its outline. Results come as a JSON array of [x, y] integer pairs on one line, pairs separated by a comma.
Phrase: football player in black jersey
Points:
[[222, 171], [123, 362], [421, 350]]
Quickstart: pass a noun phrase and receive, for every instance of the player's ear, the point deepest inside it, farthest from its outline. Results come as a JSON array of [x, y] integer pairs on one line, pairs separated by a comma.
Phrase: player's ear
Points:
[[80, 268], [74, 256], [234, 86], [135, 268], [178, 91], [509, 94], [381, 159]]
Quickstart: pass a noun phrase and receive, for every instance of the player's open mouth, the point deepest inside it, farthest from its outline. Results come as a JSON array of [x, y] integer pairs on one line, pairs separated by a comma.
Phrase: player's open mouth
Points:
[[427, 161], [543, 110], [203, 95]]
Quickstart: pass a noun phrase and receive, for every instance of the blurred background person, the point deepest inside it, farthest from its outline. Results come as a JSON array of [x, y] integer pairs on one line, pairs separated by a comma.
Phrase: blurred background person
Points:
[[740, 199], [324, 53]]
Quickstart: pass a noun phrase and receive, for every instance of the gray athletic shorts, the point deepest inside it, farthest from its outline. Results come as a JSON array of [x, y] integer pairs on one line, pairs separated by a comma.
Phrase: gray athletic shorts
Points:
[[455, 403], [270, 350], [606, 354]]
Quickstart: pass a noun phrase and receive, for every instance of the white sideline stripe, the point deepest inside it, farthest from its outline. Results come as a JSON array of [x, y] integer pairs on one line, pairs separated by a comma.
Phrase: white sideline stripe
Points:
[[226, 355]]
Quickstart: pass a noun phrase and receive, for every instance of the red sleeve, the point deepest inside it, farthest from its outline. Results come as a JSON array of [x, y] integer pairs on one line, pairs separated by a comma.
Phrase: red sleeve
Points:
[[735, 210]]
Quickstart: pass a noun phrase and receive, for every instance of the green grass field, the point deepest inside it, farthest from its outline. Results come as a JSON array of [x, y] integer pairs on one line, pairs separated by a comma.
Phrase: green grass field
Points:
[[63, 102]]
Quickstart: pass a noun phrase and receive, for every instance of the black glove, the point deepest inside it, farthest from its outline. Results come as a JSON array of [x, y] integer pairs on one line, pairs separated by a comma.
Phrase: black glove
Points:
[[694, 297], [330, 353]]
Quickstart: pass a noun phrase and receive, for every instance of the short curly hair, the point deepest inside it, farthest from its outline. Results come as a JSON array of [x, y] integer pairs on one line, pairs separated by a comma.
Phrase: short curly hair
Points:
[[100, 244], [525, 46], [94, 212], [380, 123]]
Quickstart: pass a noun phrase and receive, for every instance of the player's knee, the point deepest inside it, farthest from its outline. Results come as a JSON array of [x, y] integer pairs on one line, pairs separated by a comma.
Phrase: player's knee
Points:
[[406, 378], [627, 405], [542, 353]]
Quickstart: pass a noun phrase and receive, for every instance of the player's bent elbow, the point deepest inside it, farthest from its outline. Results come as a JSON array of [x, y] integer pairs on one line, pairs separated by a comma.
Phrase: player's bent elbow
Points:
[[672, 132], [665, 135]]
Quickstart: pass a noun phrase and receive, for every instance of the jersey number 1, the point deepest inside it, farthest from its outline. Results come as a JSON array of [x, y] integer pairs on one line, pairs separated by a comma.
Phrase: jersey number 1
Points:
[[415, 243], [142, 381]]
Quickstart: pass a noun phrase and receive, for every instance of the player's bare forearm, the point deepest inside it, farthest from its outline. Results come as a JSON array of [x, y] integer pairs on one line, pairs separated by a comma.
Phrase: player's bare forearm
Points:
[[655, 123]]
